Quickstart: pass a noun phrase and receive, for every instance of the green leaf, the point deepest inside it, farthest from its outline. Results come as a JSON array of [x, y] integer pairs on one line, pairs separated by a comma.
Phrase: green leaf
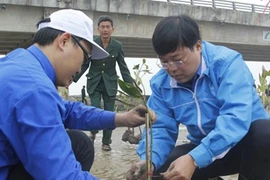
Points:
[[268, 73], [136, 67], [122, 93], [147, 71], [129, 89], [144, 61]]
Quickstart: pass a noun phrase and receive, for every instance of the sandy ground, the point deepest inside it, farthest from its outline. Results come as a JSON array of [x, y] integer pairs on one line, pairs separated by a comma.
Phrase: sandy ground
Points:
[[113, 165]]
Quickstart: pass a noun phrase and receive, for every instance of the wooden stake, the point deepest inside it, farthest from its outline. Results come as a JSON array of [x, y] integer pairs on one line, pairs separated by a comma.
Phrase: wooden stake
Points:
[[148, 129]]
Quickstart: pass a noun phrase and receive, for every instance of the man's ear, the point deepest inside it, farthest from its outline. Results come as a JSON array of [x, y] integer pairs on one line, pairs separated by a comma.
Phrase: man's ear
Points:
[[198, 45], [63, 39]]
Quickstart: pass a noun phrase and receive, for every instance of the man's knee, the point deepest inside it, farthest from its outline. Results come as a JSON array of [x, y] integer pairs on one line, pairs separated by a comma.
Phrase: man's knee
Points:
[[259, 134], [82, 147]]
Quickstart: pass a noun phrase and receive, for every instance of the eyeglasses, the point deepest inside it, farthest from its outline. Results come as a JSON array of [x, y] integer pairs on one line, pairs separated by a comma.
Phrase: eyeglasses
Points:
[[173, 63], [87, 56]]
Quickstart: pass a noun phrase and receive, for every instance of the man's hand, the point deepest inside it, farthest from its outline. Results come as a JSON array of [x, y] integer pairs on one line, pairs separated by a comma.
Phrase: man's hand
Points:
[[182, 168], [134, 117], [137, 171]]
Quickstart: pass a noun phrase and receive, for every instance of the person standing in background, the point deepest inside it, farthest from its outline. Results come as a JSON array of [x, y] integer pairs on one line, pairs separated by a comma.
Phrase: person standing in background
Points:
[[102, 76], [83, 95]]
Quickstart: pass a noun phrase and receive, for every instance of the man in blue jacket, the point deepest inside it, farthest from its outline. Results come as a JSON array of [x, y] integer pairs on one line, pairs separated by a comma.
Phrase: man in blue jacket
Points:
[[34, 142], [209, 89]]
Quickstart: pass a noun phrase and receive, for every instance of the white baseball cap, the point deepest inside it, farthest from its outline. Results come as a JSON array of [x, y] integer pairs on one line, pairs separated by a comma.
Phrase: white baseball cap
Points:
[[76, 23]]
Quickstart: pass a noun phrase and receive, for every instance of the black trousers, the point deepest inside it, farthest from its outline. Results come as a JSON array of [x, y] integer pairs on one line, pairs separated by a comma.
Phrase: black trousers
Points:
[[250, 157], [82, 147]]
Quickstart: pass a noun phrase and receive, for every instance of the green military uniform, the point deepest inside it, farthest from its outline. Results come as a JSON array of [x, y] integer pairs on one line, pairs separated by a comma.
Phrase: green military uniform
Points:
[[102, 79]]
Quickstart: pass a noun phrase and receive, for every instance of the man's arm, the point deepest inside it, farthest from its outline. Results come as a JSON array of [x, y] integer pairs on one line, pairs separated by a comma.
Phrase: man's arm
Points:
[[235, 94], [123, 66], [41, 142], [76, 115]]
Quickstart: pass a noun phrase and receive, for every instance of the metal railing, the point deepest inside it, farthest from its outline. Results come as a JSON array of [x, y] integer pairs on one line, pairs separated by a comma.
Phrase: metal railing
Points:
[[230, 5]]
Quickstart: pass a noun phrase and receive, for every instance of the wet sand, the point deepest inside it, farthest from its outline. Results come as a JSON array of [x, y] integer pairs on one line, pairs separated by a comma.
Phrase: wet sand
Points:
[[113, 165]]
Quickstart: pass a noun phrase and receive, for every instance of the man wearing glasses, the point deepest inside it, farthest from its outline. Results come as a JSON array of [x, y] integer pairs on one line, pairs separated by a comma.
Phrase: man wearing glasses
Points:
[[209, 89], [34, 142]]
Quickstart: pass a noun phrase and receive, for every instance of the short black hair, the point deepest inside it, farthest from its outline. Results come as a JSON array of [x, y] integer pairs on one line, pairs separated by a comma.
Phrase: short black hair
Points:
[[173, 32], [105, 18], [46, 36]]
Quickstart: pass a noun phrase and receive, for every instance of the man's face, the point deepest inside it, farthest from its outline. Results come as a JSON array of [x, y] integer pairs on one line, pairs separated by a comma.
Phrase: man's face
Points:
[[105, 29], [71, 59], [183, 63]]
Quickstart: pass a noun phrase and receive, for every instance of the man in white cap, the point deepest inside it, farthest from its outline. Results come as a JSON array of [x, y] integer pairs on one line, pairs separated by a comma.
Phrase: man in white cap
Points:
[[34, 142]]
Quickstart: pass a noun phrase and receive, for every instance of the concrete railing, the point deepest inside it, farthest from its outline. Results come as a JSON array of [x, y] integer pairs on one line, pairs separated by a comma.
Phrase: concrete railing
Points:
[[230, 5]]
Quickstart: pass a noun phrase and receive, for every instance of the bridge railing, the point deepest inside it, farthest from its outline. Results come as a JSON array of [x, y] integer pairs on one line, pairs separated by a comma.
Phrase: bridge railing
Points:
[[230, 5]]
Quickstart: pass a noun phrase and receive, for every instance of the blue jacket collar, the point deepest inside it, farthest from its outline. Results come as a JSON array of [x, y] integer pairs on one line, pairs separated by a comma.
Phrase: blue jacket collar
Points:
[[44, 62]]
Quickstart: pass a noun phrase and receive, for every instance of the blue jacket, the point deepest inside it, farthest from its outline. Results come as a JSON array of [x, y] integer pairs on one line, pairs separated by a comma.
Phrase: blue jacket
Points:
[[217, 114], [33, 118]]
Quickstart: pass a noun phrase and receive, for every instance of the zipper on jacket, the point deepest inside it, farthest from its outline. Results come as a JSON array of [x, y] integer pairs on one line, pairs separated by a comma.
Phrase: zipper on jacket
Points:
[[199, 116]]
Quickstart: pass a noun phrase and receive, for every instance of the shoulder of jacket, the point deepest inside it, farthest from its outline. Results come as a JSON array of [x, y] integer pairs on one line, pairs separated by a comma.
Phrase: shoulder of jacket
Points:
[[160, 76], [97, 39], [216, 54], [115, 42]]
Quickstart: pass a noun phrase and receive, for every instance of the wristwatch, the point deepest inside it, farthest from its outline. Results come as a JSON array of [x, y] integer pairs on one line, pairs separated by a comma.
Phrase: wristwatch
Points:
[[195, 163]]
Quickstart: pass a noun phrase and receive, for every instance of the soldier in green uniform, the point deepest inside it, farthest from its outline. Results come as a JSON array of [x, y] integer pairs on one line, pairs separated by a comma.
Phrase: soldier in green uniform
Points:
[[102, 76]]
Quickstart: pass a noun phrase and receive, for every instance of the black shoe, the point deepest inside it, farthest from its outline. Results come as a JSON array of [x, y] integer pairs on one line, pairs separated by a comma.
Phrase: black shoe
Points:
[[106, 147]]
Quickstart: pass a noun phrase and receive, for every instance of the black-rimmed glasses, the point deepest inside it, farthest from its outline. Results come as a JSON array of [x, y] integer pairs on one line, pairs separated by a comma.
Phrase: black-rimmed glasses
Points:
[[87, 56]]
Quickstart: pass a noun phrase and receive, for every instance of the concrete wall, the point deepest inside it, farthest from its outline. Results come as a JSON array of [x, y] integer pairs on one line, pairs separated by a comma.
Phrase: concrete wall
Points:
[[151, 8], [17, 18], [135, 20], [24, 18]]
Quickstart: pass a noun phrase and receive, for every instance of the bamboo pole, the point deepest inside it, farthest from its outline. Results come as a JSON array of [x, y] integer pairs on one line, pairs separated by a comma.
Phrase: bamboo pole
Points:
[[148, 147]]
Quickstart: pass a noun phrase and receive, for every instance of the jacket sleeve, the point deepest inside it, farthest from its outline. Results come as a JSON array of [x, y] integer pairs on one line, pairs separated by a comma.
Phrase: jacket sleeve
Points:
[[123, 66], [44, 147], [234, 91], [165, 130], [76, 115]]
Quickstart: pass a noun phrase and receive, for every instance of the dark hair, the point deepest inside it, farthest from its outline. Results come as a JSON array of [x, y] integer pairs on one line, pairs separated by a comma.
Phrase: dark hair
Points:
[[105, 18], [173, 32], [46, 36]]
